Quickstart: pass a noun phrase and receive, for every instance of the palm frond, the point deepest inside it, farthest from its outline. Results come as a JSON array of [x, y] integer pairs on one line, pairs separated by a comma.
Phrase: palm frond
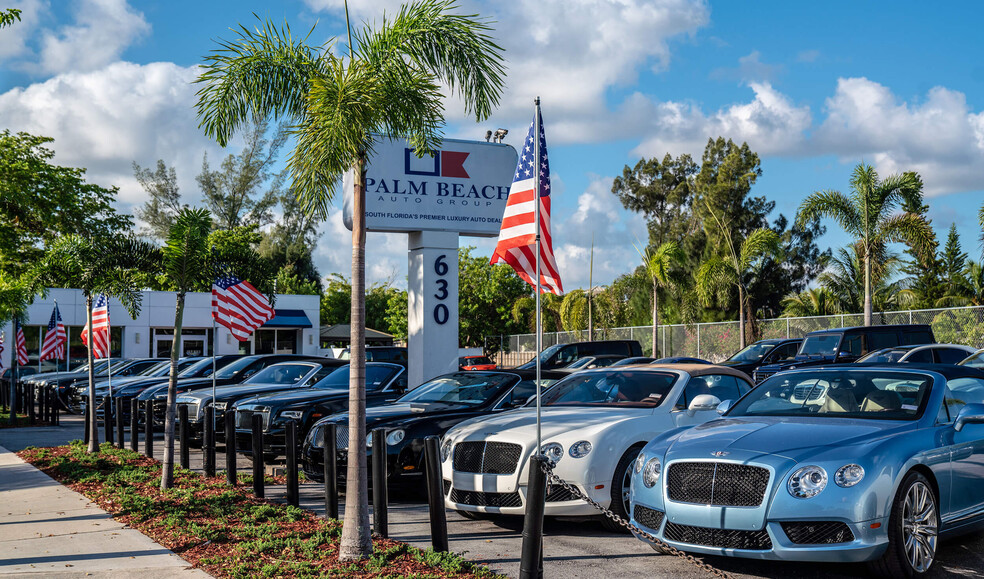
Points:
[[908, 228], [714, 279], [832, 204], [759, 244], [660, 262], [186, 252]]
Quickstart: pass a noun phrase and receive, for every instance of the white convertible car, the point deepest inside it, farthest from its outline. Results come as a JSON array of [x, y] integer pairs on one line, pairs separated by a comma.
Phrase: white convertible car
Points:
[[594, 423]]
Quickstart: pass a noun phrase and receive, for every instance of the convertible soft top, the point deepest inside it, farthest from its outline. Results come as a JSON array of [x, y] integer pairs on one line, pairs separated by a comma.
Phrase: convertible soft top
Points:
[[698, 369]]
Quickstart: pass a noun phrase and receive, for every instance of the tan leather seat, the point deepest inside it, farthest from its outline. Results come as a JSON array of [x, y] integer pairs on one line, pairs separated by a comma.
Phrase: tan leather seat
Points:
[[881, 401], [839, 400]]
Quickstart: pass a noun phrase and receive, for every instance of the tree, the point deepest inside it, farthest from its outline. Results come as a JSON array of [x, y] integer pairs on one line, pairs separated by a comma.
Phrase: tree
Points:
[[107, 265], [953, 263], [396, 315], [41, 202], [973, 293], [867, 215], [16, 294], [9, 16], [164, 201], [661, 191], [336, 300], [191, 261], [391, 85], [289, 283], [292, 239], [233, 193], [844, 278], [660, 264], [574, 311], [486, 294], [818, 301]]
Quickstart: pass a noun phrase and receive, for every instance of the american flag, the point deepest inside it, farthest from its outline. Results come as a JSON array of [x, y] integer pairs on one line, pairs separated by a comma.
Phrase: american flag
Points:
[[55, 338], [21, 347], [100, 328], [239, 306], [517, 236]]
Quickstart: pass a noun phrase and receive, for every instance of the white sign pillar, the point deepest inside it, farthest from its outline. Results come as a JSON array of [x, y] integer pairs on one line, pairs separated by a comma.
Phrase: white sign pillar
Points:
[[432, 293]]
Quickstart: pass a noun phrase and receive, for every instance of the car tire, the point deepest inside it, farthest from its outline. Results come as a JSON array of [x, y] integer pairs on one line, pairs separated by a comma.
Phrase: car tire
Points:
[[619, 489], [913, 530]]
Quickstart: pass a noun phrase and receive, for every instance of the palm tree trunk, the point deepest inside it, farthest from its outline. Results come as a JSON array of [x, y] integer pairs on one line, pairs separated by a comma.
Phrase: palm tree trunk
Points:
[[655, 321], [867, 288], [167, 472], [741, 318], [91, 406], [356, 540]]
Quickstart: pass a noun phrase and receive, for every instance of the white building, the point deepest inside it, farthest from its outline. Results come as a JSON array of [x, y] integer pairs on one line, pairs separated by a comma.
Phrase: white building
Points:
[[295, 329]]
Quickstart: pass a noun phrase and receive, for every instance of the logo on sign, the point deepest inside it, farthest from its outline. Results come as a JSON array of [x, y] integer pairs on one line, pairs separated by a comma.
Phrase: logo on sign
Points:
[[443, 164]]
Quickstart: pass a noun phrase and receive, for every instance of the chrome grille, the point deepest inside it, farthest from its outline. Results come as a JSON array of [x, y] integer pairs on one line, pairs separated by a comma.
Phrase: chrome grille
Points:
[[760, 376], [720, 538], [723, 484], [244, 418], [479, 499], [486, 457], [811, 390], [818, 532], [557, 494], [648, 517]]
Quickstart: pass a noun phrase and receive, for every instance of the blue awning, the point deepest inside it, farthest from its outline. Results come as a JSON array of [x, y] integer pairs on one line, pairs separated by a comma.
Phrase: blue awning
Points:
[[289, 319]]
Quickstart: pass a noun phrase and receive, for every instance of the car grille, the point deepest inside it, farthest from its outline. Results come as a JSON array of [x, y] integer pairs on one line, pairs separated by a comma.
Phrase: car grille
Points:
[[720, 538], [479, 499], [811, 390], [818, 532], [244, 418], [648, 517], [761, 376], [558, 494], [723, 484], [486, 457]]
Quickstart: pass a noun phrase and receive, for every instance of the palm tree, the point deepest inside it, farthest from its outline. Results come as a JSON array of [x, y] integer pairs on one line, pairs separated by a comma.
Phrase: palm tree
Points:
[[16, 294], [867, 215], [112, 266], [659, 264], [844, 279], [190, 262], [719, 274], [818, 301], [390, 85], [574, 311]]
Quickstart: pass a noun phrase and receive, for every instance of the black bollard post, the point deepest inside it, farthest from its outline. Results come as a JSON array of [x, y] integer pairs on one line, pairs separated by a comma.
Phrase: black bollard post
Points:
[[230, 446], [258, 486], [30, 404], [149, 429], [184, 435], [435, 493], [291, 450], [85, 435], [531, 555], [43, 404], [134, 424], [208, 442], [379, 495], [108, 418], [120, 443], [331, 469]]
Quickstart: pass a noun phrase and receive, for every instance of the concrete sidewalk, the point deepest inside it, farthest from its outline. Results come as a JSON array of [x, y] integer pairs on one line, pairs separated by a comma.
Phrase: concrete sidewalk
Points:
[[48, 530]]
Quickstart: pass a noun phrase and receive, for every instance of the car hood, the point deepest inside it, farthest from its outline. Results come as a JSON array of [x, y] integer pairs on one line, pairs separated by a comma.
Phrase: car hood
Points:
[[184, 385], [797, 439], [296, 396], [521, 423], [237, 390], [735, 363], [399, 411]]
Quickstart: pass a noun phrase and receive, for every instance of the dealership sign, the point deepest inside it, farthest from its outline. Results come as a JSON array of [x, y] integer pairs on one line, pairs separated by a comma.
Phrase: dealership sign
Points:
[[462, 188]]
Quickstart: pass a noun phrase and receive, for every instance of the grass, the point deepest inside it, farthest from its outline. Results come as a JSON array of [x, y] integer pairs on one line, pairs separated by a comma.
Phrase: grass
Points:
[[5, 420], [225, 530]]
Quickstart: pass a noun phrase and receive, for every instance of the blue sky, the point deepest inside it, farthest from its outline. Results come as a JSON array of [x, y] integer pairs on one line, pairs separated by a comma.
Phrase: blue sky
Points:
[[814, 89]]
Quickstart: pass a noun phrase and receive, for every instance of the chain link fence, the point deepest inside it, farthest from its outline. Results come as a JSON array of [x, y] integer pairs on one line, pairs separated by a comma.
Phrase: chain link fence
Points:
[[719, 340]]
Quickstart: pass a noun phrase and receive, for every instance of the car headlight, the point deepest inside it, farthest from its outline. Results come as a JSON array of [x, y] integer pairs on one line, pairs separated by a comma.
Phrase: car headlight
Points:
[[807, 482], [395, 436], [553, 451], [446, 446], [579, 449], [849, 475], [292, 414], [221, 406], [651, 472], [640, 462]]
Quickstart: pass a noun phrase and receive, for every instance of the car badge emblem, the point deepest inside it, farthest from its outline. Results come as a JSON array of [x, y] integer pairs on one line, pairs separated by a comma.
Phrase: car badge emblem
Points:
[[489, 433], [720, 453]]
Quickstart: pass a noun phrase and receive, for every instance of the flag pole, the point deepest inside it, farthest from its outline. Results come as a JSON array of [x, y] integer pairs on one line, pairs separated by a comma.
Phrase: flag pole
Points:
[[213, 370], [109, 366], [536, 219]]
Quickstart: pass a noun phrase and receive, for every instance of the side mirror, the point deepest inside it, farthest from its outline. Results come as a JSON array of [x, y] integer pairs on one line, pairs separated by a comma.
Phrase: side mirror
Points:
[[725, 406], [969, 414], [703, 402]]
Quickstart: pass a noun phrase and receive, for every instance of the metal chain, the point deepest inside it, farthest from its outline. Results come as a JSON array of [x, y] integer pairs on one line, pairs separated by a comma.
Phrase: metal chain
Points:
[[547, 467]]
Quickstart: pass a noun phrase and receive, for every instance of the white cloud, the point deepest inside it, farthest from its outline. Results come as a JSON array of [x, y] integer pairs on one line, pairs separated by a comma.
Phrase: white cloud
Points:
[[103, 29], [14, 39], [940, 137], [106, 119], [750, 68]]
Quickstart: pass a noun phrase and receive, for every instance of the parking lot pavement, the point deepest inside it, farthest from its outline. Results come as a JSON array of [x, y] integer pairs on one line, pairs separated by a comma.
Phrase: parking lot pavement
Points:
[[572, 548]]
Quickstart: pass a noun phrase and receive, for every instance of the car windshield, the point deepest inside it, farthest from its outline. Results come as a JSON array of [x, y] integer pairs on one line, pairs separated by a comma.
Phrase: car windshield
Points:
[[612, 388], [463, 388], [160, 369], [882, 356], [376, 377], [752, 353], [975, 360], [544, 356], [820, 345], [197, 369], [475, 361], [234, 369], [583, 362], [838, 394], [280, 374]]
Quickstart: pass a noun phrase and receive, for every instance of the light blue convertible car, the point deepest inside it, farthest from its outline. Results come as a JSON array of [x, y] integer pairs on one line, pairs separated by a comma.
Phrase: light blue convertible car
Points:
[[838, 464]]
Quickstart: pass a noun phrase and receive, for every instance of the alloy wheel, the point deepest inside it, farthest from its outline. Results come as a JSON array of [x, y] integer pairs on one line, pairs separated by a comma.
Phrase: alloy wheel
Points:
[[919, 526]]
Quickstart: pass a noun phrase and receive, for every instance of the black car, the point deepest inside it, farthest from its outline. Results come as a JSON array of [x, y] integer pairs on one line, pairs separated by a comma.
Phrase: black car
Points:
[[561, 355], [428, 410], [194, 368], [393, 354], [71, 384], [763, 353], [233, 373], [847, 345], [385, 382], [278, 377]]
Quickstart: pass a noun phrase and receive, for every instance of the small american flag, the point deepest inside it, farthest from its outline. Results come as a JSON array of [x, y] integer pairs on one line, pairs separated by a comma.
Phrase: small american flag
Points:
[[239, 306], [517, 236], [53, 347], [21, 347], [100, 328]]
